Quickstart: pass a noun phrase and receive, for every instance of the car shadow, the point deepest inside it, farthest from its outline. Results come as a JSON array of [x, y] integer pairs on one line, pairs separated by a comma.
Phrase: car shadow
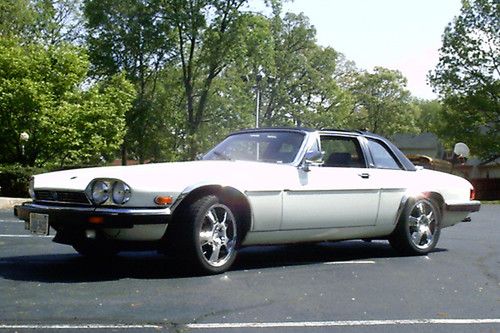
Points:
[[314, 253], [73, 268]]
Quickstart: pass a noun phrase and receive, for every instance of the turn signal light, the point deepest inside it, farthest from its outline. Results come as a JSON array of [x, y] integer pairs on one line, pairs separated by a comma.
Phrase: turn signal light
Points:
[[96, 219], [472, 194], [163, 200]]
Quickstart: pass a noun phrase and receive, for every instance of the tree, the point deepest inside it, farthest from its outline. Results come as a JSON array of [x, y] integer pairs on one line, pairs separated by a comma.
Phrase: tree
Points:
[[299, 86], [16, 18], [47, 22], [41, 94], [58, 21], [131, 36], [383, 104], [429, 116], [467, 77], [208, 40]]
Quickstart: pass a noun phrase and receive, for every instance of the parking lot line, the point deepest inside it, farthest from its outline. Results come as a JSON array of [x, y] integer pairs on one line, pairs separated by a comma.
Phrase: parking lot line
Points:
[[350, 262], [345, 323], [339, 323], [81, 326], [24, 236]]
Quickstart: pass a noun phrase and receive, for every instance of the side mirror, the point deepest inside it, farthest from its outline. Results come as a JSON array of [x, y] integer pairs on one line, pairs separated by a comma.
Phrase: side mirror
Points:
[[311, 157]]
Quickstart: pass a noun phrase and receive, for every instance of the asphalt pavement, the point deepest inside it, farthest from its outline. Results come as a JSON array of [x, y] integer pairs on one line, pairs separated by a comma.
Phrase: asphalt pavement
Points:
[[349, 286]]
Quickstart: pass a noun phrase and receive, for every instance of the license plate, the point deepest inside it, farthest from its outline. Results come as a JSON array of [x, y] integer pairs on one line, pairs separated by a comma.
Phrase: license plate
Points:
[[39, 223]]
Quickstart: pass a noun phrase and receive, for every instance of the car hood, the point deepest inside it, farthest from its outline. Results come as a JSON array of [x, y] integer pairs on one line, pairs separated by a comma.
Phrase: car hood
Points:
[[174, 177]]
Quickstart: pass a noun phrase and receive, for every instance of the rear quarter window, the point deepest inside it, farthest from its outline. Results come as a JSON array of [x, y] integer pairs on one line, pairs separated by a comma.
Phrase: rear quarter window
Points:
[[382, 157]]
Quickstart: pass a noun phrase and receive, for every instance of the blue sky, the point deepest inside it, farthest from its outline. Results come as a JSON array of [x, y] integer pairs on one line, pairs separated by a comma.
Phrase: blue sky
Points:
[[397, 34]]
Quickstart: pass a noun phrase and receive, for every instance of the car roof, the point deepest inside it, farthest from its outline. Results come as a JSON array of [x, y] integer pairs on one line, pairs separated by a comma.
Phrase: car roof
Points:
[[283, 129]]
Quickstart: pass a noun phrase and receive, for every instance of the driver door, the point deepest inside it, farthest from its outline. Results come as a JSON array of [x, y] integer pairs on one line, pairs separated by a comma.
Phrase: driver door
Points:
[[338, 193]]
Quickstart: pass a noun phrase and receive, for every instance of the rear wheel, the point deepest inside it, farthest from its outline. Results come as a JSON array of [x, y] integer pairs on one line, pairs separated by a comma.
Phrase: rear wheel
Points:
[[210, 235], [418, 229]]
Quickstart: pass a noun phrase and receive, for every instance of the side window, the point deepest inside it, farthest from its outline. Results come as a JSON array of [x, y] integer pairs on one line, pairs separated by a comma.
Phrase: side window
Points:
[[382, 158], [342, 152]]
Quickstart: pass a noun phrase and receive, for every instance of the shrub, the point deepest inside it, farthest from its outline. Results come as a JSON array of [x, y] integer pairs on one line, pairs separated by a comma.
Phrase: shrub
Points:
[[14, 180]]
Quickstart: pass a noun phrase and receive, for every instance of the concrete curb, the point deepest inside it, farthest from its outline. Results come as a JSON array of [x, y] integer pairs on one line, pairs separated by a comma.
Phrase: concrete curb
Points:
[[9, 203]]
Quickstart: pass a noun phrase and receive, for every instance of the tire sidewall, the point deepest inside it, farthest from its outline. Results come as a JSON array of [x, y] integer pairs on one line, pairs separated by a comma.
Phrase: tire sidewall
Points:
[[198, 212], [406, 224]]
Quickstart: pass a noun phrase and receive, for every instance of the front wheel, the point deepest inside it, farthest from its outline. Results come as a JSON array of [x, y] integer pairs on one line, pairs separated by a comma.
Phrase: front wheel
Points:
[[418, 229], [211, 235]]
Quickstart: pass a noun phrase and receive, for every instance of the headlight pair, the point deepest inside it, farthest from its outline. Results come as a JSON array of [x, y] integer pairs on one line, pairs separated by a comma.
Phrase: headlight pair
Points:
[[103, 190]]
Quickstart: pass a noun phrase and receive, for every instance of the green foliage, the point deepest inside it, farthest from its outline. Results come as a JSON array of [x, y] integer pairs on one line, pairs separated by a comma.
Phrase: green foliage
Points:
[[428, 116], [48, 22], [165, 79], [208, 40], [467, 77], [132, 36], [88, 127], [14, 180], [298, 86], [16, 17], [383, 104], [41, 94]]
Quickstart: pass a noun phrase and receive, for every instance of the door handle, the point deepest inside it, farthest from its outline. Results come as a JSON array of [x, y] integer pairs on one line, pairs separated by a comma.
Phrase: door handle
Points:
[[364, 175]]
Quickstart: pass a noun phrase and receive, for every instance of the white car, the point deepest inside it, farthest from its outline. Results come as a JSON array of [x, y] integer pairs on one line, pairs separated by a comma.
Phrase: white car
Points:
[[258, 186]]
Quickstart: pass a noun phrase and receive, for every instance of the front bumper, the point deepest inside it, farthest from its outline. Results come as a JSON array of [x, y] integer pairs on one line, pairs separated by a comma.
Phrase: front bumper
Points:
[[83, 217]]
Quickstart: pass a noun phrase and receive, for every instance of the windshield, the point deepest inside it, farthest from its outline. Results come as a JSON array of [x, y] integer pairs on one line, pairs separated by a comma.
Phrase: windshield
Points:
[[273, 147]]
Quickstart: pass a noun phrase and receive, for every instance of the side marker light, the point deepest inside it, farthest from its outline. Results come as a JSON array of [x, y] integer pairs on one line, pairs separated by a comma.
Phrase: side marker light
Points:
[[163, 200]]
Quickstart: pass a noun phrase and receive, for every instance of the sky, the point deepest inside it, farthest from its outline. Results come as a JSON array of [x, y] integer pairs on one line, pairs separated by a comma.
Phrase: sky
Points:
[[396, 34]]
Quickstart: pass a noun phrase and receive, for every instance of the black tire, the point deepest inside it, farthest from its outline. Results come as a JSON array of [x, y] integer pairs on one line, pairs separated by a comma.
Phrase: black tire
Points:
[[95, 249], [418, 229], [208, 235]]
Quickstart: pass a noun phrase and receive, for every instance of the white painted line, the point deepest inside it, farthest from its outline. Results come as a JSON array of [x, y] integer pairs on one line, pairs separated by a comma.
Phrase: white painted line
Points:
[[350, 262], [11, 221], [345, 323], [24, 236], [82, 326]]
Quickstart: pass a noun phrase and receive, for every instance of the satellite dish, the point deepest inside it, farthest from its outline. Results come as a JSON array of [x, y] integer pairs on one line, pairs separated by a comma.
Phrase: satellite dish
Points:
[[461, 150]]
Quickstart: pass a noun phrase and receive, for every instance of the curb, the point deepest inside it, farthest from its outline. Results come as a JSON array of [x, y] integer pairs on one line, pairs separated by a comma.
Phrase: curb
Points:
[[9, 203]]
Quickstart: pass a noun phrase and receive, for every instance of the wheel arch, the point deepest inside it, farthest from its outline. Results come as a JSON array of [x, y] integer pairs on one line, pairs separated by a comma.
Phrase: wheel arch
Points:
[[230, 195], [434, 196]]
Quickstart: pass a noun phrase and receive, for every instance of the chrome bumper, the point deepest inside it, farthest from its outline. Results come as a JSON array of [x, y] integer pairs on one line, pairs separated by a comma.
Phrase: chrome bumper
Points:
[[472, 206], [104, 217]]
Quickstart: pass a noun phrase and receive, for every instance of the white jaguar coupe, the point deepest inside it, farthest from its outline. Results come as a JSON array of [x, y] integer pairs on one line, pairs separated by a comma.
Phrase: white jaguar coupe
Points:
[[258, 186]]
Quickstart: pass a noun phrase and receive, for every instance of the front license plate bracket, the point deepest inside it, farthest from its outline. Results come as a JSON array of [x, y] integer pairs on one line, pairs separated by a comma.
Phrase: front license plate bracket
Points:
[[39, 224]]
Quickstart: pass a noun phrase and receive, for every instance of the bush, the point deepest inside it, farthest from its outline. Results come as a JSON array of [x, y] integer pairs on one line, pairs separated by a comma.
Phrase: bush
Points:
[[14, 180]]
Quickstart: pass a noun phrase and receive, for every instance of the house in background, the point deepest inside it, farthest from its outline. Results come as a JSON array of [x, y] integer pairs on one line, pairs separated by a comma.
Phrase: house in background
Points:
[[427, 151]]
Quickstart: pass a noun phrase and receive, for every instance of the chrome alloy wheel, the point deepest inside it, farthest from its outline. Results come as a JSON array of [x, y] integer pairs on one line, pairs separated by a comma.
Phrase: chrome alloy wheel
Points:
[[422, 224], [217, 235]]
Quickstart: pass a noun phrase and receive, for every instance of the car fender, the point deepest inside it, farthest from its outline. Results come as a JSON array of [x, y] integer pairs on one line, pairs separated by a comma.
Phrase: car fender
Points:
[[233, 194]]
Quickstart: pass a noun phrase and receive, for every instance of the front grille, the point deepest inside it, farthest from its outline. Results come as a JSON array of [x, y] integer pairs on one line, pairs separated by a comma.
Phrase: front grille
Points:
[[61, 196]]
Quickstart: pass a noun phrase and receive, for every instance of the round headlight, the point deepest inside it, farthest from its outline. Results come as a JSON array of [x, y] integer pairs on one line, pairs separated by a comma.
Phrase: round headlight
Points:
[[121, 193], [100, 192]]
